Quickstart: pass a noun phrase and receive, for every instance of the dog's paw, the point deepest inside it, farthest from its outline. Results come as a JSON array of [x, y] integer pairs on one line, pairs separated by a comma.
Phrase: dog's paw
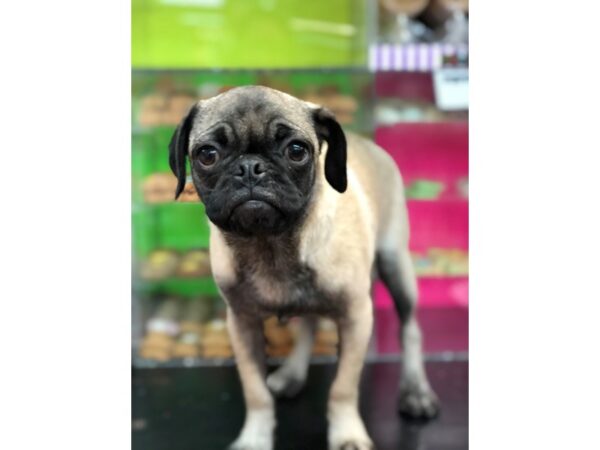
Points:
[[347, 431], [257, 433], [351, 441], [252, 442], [356, 445], [285, 382], [418, 403]]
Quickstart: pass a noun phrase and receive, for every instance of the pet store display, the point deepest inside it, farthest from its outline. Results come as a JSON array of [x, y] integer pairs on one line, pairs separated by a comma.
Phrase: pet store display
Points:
[[163, 109], [163, 263], [159, 188], [216, 340], [161, 331], [190, 340], [160, 264], [278, 336], [343, 106], [194, 328], [194, 264], [326, 339], [168, 109], [189, 194]]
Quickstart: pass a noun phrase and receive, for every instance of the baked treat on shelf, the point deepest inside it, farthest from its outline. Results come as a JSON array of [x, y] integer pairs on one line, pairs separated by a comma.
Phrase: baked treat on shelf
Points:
[[159, 265], [324, 350], [278, 352], [277, 334], [161, 330], [154, 102], [343, 106], [181, 103], [188, 194], [159, 188], [327, 332], [278, 337], [164, 108], [177, 106], [157, 346], [216, 342], [189, 343], [326, 339], [194, 264], [152, 108]]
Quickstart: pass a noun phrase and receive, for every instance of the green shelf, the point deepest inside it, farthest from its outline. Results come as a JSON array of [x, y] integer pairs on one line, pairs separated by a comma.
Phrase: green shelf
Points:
[[185, 287], [175, 226]]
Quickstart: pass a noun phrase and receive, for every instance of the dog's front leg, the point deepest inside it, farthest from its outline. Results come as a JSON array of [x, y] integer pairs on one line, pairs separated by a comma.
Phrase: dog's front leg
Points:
[[346, 428], [249, 347]]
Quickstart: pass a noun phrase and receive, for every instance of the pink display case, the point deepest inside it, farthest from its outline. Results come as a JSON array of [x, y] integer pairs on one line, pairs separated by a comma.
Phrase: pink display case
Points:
[[436, 152]]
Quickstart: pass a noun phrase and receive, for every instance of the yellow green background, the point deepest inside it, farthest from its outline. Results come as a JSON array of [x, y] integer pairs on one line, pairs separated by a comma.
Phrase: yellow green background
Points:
[[248, 33]]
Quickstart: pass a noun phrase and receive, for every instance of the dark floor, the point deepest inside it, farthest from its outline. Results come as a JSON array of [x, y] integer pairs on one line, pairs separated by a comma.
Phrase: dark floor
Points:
[[202, 409]]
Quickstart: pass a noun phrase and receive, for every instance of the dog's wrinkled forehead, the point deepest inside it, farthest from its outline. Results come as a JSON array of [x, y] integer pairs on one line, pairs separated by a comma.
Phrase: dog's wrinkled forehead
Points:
[[251, 111]]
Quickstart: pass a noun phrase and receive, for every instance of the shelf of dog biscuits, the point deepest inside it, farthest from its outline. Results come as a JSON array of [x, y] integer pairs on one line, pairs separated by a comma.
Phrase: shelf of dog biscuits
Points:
[[163, 264], [171, 238], [159, 188], [162, 98], [192, 332], [172, 271]]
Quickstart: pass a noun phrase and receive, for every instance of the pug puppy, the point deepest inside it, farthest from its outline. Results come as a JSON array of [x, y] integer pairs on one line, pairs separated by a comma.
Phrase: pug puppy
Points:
[[302, 217]]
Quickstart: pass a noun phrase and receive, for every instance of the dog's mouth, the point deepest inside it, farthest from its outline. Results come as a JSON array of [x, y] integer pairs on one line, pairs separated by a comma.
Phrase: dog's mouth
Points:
[[254, 213], [253, 198]]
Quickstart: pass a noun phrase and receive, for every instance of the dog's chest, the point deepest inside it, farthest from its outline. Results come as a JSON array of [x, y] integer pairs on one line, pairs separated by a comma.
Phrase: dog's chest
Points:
[[283, 288]]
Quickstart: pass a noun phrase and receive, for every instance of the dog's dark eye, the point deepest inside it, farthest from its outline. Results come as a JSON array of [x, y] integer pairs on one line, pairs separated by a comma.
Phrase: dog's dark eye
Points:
[[208, 156], [297, 151]]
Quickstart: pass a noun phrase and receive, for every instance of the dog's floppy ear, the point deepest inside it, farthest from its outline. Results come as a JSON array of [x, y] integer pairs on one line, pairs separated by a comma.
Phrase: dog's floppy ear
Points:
[[178, 148], [329, 130]]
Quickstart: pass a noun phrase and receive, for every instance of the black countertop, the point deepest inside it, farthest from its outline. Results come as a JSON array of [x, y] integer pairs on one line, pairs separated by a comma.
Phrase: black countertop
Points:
[[202, 409]]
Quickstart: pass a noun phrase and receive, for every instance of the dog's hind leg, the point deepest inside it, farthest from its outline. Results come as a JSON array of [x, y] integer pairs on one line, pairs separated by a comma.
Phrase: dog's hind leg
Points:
[[395, 268], [290, 377]]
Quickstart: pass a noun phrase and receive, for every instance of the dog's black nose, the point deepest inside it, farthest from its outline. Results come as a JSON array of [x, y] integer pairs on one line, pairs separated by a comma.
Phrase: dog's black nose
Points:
[[251, 169]]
